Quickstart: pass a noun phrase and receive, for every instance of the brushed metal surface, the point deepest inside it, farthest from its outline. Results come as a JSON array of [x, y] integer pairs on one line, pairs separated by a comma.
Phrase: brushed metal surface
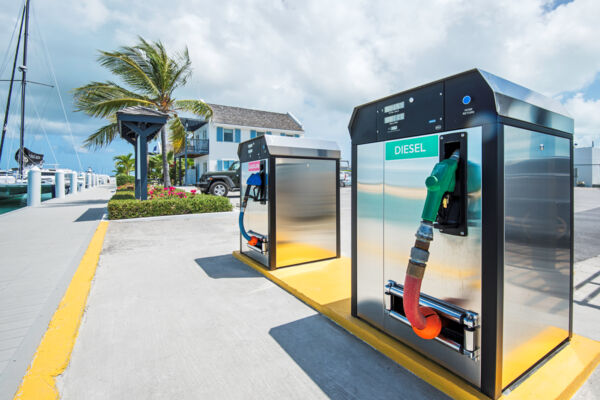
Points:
[[369, 230], [390, 199], [306, 209], [518, 102], [301, 147], [453, 272], [256, 216], [537, 247]]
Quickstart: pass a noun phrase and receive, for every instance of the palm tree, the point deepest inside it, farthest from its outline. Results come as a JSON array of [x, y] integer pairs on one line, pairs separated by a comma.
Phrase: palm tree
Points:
[[153, 76], [124, 163]]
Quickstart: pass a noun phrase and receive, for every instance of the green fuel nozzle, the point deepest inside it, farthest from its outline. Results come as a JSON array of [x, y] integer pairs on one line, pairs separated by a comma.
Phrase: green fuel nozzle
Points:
[[441, 181]]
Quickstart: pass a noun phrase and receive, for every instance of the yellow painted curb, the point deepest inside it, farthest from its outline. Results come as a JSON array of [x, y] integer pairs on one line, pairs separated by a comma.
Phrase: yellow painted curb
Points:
[[325, 286], [54, 351]]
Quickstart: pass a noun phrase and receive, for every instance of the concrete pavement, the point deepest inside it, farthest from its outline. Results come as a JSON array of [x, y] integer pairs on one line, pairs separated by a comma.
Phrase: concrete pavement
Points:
[[39, 250], [172, 314]]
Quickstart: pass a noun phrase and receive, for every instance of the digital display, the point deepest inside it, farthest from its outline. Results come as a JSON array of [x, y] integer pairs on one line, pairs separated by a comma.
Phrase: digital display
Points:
[[393, 118], [393, 107]]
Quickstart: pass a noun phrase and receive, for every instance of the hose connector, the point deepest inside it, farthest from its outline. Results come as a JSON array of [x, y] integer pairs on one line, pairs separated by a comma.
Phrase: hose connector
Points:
[[425, 231]]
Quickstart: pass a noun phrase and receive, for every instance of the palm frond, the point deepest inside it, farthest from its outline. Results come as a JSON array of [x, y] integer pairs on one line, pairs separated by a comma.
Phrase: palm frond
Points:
[[132, 66], [178, 133], [102, 137], [197, 107], [167, 72], [101, 99]]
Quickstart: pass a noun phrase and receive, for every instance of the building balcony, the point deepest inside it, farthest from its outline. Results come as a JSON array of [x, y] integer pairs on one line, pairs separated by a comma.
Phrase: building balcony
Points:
[[195, 148]]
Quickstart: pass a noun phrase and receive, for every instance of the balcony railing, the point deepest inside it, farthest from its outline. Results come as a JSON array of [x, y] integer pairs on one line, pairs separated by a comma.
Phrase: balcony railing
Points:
[[196, 147]]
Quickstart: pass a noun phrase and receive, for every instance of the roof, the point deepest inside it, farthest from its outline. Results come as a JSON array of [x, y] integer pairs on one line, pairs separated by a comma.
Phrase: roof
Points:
[[140, 110], [137, 119], [254, 118]]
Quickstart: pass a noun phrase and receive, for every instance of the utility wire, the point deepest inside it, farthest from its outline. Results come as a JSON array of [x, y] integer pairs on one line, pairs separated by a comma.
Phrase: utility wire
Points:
[[45, 133], [12, 137], [58, 91], [7, 52]]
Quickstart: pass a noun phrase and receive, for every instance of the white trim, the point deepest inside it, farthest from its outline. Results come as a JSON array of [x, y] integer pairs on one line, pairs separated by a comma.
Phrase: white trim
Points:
[[250, 128], [295, 119]]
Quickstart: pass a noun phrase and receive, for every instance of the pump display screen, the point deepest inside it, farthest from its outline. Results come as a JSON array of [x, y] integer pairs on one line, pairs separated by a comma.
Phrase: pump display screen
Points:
[[393, 118], [393, 107]]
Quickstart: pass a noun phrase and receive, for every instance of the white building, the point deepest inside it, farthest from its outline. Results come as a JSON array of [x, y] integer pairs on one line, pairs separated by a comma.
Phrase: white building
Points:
[[214, 144], [587, 165]]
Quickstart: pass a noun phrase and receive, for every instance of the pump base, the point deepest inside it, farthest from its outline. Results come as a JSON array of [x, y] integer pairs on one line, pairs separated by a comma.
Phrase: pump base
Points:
[[325, 286]]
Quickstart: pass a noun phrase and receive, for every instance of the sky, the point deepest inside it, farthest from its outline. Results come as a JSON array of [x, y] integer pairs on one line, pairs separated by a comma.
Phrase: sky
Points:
[[317, 59]]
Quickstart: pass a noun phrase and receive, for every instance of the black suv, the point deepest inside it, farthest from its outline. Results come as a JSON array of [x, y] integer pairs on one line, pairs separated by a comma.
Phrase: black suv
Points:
[[222, 182]]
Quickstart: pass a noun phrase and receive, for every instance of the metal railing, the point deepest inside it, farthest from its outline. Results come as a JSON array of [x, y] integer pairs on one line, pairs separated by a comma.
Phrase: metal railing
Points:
[[197, 146]]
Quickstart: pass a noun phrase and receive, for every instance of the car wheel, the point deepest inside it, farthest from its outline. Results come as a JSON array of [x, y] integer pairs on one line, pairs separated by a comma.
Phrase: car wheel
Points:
[[219, 189]]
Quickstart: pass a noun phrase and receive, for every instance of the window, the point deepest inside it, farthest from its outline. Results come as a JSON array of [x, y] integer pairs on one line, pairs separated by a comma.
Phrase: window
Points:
[[230, 165], [228, 135], [260, 133]]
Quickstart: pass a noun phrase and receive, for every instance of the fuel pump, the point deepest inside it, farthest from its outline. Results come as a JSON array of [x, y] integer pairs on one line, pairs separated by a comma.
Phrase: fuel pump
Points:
[[255, 190]]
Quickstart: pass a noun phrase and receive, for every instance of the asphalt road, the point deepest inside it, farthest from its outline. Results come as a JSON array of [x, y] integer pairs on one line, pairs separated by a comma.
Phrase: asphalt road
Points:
[[587, 233]]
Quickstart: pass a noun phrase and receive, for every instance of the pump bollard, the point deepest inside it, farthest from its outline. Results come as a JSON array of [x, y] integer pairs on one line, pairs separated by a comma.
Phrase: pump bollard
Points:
[[88, 180], [80, 184], [59, 184], [74, 184], [34, 187]]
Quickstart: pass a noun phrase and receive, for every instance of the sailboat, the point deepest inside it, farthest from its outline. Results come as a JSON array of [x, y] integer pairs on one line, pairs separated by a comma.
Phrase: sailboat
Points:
[[14, 182]]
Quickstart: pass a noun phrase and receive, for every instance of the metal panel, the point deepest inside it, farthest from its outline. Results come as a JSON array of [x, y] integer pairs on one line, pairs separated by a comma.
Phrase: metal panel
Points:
[[256, 216], [301, 147], [369, 231], [537, 251], [306, 211], [523, 104], [454, 269]]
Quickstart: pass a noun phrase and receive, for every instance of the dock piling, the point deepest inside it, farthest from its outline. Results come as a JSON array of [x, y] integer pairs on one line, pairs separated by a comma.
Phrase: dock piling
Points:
[[34, 187], [59, 184], [74, 183]]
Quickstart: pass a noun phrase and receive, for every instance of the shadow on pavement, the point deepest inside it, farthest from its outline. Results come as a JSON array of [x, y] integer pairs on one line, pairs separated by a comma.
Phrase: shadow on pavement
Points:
[[92, 214], [226, 266], [586, 234], [343, 366], [75, 203]]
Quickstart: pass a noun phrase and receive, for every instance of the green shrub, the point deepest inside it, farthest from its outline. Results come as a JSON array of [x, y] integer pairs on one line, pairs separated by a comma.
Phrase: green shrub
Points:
[[124, 195], [123, 179], [128, 187], [201, 203]]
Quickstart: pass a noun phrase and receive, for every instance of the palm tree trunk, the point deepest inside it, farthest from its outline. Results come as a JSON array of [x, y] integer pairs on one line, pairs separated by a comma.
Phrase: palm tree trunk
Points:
[[165, 162]]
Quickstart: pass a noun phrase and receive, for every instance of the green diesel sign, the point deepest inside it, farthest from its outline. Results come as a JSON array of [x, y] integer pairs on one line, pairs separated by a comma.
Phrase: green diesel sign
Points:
[[419, 147]]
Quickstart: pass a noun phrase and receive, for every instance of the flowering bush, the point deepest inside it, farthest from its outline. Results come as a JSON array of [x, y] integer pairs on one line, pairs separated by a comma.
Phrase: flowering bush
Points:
[[159, 192], [126, 187]]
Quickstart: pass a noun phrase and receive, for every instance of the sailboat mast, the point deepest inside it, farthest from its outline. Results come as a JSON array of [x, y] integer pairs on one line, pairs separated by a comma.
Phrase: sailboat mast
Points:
[[10, 87], [23, 69]]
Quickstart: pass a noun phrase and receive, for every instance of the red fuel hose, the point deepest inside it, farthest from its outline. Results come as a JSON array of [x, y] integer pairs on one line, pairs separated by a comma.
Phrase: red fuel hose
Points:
[[425, 322]]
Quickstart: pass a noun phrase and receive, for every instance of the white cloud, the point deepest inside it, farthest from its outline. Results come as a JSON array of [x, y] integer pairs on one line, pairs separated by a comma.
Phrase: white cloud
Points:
[[586, 113], [319, 59]]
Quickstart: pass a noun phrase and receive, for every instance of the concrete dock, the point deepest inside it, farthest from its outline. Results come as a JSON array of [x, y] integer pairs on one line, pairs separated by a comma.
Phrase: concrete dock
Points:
[[40, 248], [172, 314]]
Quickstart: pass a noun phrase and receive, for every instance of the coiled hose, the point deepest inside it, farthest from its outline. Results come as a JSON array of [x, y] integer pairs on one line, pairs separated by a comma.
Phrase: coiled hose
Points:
[[254, 181]]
